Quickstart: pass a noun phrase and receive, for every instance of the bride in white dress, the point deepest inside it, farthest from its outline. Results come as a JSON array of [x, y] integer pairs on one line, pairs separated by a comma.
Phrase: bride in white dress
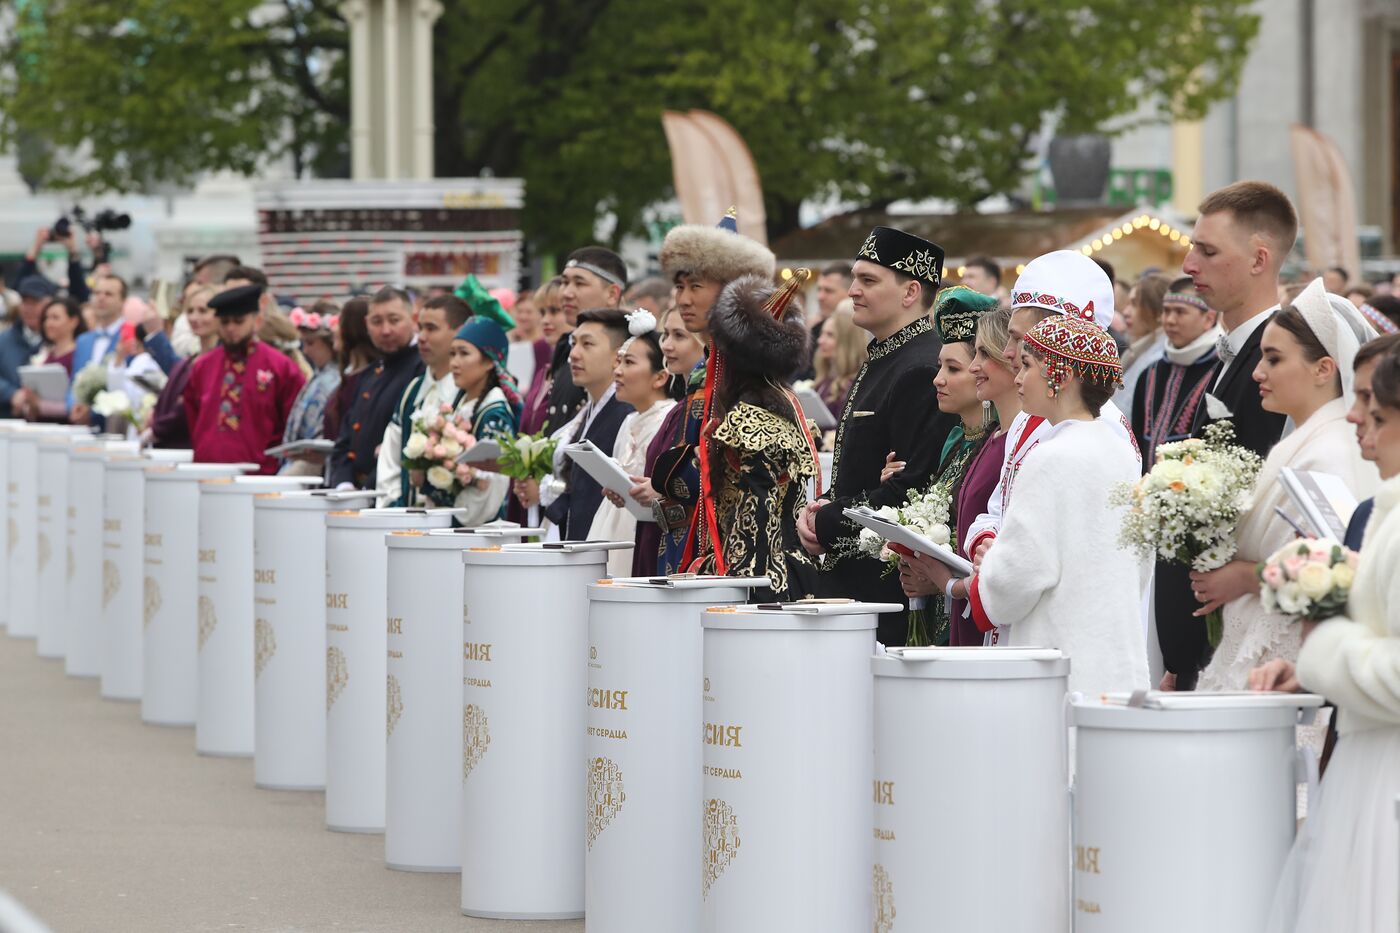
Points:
[[1305, 373], [1342, 872]]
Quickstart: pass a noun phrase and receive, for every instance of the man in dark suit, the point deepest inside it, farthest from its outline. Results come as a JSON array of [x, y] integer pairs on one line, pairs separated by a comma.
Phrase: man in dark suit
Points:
[[392, 330], [891, 407], [599, 333], [1238, 246]]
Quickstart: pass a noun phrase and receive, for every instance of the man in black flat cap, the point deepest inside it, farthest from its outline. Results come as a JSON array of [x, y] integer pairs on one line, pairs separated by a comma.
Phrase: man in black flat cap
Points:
[[892, 406], [241, 392]]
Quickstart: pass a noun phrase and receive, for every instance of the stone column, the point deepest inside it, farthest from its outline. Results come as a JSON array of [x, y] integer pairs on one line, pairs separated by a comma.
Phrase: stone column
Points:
[[357, 14], [425, 14]]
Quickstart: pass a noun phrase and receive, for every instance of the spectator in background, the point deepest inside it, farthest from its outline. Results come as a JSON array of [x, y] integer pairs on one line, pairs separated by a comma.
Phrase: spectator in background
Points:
[[1359, 294], [652, 293], [1169, 391], [1145, 338], [832, 286], [21, 341], [307, 418], [1335, 280], [1383, 311], [77, 279], [1119, 328], [840, 355], [108, 296], [982, 274], [168, 427], [356, 353], [554, 325], [529, 352]]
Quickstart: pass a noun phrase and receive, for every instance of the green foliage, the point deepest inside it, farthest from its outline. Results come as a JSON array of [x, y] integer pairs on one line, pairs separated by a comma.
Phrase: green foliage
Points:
[[868, 100]]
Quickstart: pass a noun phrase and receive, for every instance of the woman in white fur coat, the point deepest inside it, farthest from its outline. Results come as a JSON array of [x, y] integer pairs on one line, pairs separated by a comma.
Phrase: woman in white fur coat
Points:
[[1341, 875], [1305, 372], [1055, 576]]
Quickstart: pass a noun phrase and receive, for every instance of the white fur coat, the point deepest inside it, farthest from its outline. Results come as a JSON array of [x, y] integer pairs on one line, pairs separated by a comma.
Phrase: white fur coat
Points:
[[1056, 575]]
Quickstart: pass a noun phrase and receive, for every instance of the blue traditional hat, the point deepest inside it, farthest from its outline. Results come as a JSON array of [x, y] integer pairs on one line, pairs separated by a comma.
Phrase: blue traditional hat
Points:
[[487, 336]]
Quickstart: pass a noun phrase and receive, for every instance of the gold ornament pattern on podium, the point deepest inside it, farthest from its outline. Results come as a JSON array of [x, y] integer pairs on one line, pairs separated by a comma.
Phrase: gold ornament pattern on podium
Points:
[[337, 675], [721, 840], [606, 794], [395, 697], [151, 601], [208, 620], [264, 644], [45, 551], [111, 581], [884, 901], [476, 736]]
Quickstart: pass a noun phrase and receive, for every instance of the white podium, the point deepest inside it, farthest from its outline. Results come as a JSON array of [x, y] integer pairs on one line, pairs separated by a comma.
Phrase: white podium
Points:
[[1196, 788], [86, 636], [971, 773], [525, 648], [23, 533], [423, 753], [789, 764], [123, 589], [357, 574], [289, 636], [224, 715], [51, 544], [170, 599], [645, 784]]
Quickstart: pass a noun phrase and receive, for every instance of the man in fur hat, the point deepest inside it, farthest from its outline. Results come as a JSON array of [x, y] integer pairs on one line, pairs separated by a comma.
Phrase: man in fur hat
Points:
[[891, 407], [700, 261]]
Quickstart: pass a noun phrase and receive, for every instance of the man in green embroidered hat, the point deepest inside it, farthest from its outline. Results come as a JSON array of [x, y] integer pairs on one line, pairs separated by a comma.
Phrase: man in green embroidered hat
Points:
[[891, 407]]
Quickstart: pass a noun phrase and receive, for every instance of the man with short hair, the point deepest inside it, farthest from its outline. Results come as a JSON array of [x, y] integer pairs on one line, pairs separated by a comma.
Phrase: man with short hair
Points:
[[652, 293], [391, 326], [982, 274], [240, 393], [438, 321], [1242, 235], [1335, 280], [592, 359], [890, 408], [593, 277], [832, 286], [93, 346], [1167, 392], [22, 341]]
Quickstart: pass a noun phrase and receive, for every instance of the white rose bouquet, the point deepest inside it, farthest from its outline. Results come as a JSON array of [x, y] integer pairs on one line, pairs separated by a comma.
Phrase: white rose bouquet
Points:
[[88, 382], [1309, 579], [927, 513], [435, 440], [1187, 507]]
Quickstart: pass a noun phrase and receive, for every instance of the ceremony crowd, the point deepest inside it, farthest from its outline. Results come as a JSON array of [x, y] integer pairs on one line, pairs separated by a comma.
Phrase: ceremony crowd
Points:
[[1024, 404]]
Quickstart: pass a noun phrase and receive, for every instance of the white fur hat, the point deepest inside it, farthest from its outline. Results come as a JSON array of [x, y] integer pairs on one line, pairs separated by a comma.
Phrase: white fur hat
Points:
[[1066, 282]]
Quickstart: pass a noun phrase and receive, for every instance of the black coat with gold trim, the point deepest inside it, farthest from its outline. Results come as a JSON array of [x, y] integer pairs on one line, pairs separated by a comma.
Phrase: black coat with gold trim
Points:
[[892, 406], [765, 462]]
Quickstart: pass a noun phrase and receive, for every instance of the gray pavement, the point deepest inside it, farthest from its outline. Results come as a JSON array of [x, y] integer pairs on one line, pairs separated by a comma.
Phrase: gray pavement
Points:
[[110, 825]]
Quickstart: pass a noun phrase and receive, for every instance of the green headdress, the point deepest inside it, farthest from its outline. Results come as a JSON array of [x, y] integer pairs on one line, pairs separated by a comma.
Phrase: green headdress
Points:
[[482, 303]]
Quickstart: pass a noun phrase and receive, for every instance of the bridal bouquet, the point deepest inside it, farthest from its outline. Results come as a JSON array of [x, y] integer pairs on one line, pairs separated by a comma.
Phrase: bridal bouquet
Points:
[[927, 513], [1187, 507], [435, 440], [110, 404], [88, 382], [527, 456], [1309, 579]]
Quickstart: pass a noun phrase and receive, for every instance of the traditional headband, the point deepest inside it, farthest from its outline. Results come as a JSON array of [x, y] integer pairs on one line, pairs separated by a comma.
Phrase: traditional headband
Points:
[[1378, 320], [1075, 346], [1194, 301], [599, 271]]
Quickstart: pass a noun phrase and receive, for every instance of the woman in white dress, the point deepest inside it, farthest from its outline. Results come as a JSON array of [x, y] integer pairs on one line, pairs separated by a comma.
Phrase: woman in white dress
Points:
[[1055, 576], [642, 382], [1306, 372], [1342, 873]]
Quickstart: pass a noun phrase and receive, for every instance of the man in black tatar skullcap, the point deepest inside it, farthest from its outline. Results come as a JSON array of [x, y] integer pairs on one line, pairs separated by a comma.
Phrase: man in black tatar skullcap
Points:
[[891, 407]]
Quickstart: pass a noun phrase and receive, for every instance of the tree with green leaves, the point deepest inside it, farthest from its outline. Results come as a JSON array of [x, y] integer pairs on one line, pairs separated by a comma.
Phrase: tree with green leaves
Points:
[[866, 100]]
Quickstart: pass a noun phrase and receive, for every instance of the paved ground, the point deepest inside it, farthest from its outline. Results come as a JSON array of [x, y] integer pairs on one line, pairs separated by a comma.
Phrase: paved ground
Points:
[[108, 825]]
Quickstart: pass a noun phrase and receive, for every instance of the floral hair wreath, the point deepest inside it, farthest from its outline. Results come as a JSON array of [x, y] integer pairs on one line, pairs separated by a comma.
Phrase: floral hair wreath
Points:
[[310, 320]]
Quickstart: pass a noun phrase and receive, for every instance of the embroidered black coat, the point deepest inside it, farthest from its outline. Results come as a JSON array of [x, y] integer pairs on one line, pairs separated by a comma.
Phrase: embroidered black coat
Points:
[[892, 406]]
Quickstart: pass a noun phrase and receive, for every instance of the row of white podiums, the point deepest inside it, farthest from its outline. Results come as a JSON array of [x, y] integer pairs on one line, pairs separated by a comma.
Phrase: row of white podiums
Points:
[[653, 754]]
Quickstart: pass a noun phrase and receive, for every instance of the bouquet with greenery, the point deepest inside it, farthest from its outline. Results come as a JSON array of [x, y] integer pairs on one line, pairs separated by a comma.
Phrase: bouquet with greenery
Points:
[[527, 456]]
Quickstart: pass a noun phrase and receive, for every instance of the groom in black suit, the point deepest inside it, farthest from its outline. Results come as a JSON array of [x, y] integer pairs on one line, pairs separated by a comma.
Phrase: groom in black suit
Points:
[[1241, 238]]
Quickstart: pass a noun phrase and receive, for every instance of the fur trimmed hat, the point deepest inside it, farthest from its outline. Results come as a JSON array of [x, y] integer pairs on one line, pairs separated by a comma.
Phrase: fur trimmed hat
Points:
[[747, 335], [714, 253]]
